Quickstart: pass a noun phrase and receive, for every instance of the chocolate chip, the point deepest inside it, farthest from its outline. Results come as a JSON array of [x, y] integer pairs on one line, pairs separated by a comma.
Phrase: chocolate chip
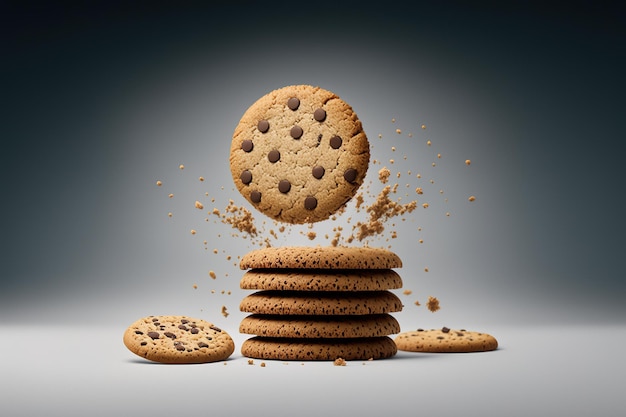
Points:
[[195, 330], [420, 330], [273, 156], [138, 332], [170, 335], [296, 132], [247, 145], [184, 321], [335, 142], [153, 335], [203, 345], [182, 327], [217, 329], [246, 177], [284, 186], [350, 175], [293, 103], [156, 323], [445, 330], [310, 202], [318, 171], [263, 126], [319, 115], [179, 347], [143, 343], [155, 319], [255, 196], [440, 337]]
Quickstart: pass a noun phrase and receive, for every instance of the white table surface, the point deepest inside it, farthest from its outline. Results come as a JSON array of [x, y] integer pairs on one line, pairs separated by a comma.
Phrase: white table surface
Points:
[[570, 370]]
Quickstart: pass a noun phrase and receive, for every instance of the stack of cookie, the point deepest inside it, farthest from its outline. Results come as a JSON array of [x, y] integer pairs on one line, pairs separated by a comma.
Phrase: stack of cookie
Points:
[[298, 155], [320, 303]]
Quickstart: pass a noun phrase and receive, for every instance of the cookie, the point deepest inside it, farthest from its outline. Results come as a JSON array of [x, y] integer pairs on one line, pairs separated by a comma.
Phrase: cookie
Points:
[[178, 339], [321, 257], [445, 340], [320, 326], [321, 303], [320, 280], [299, 154], [319, 349]]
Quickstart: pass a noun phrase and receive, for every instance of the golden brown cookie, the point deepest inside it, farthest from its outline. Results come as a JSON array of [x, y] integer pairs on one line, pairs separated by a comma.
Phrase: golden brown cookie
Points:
[[321, 303], [178, 339], [320, 326], [321, 257], [320, 280], [445, 340], [299, 154], [319, 349]]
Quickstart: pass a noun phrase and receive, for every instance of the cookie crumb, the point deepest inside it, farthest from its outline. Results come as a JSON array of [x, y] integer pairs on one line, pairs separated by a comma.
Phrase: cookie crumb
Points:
[[212, 274], [384, 174], [339, 362], [193, 232], [181, 166], [417, 303], [407, 292], [433, 304], [199, 205], [262, 364], [250, 362], [159, 183], [224, 312], [468, 162], [472, 198], [200, 179]]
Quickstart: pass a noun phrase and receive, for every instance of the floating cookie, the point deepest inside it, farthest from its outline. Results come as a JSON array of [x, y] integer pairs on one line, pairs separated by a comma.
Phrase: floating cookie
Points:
[[299, 154], [320, 326], [321, 303], [178, 339], [320, 280], [319, 349], [445, 340], [321, 257]]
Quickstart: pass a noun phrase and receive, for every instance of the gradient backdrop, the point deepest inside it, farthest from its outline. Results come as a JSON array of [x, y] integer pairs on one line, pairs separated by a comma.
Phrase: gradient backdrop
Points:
[[101, 101]]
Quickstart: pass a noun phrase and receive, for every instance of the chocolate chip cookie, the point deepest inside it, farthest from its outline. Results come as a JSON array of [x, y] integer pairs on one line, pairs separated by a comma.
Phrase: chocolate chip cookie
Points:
[[299, 154]]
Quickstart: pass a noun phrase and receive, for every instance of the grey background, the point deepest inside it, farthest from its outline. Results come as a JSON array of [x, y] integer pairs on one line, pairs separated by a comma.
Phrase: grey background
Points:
[[102, 100]]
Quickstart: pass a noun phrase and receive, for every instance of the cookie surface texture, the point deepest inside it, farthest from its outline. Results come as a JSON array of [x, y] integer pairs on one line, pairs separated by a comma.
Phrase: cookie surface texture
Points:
[[321, 257], [178, 339], [320, 280], [320, 327], [321, 303], [319, 349], [445, 340], [299, 154]]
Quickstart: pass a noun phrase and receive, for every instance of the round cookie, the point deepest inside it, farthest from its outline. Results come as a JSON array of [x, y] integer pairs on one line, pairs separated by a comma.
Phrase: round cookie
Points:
[[319, 349], [320, 326], [321, 257], [445, 340], [321, 303], [178, 339], [299, 154], [320, 280]]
